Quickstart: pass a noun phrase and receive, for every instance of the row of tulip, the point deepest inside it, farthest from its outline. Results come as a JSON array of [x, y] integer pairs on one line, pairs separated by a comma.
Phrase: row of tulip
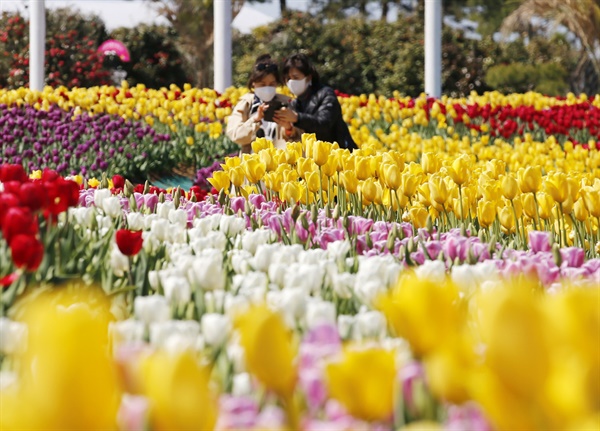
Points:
[[489, 198], [539, 128], [193, 294]]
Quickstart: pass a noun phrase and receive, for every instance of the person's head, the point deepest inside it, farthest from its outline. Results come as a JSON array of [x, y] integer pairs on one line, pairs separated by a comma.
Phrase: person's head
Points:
[[299, 73], [264, 78]]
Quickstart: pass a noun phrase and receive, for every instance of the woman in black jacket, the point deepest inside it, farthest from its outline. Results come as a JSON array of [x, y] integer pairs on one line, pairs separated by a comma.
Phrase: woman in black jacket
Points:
[[316, 108]]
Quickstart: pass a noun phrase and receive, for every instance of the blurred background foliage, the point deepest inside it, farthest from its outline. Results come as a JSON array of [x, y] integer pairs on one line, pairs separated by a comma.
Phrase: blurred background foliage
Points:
[[353, 52]]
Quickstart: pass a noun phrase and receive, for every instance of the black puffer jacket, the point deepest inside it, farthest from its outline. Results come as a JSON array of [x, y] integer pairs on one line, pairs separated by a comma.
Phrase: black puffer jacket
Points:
[[319, 112]]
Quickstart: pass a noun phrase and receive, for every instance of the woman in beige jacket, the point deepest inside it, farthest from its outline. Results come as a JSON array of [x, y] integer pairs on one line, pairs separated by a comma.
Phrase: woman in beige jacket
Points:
[[247, 121]]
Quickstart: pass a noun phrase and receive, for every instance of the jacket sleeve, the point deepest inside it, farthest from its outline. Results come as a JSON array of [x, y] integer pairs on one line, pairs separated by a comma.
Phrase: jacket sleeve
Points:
[[240, 128], [324, 119]]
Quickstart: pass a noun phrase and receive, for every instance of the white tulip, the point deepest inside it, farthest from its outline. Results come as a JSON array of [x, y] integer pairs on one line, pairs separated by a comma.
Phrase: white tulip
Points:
[[215, 329], [235, 304], [345, 325], [149, 219], [151, 241], [99, 196], [368, 290], [292, 303], [84, 216], [432, 270], [153, 308], [288, 254], [163, 208], [252, 239], [160, 228], [207, 272], [13, 336], [277, 272], [242, 385], [250, 280], [135, 221], [177, 234], [112, 207], [371, 324], [308, 277], [177, 289], [118, 262], [240, 260], [103, 222], [263, 256], [178, 217], [175, 335], [232, 225], [127, 331], [206, 224], [312, 256], [235, 353], [343, 284], [338, 250], [320, 312]]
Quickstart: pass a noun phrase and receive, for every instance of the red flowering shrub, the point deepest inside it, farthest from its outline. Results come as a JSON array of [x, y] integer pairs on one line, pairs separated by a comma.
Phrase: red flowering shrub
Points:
[[71, 45]]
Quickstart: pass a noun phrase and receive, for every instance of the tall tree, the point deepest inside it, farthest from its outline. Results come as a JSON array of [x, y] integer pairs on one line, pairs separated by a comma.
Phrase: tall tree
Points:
[[193, 20], [580, 17]]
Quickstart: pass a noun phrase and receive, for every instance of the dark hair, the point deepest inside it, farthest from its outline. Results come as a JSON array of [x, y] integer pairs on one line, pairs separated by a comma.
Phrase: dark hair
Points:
[[263, 66], [303, 64]]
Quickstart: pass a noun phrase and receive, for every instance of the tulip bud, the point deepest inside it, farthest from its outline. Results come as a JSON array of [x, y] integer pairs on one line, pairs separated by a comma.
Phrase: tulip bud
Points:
[[132, 203], [104, 181], [177, 197], [161, 198], [128, 189], [146, 187]]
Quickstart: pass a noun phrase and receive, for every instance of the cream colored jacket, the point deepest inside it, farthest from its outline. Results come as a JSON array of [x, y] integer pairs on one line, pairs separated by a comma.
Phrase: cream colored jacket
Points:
[[242, 129]]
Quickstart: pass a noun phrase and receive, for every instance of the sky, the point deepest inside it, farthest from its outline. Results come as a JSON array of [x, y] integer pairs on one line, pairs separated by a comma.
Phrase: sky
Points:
[[124, 13]]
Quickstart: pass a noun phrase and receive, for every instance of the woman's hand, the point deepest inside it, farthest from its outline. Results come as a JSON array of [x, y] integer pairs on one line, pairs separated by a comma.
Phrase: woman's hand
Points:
[[285, 124], [260, 112], [286, 115]]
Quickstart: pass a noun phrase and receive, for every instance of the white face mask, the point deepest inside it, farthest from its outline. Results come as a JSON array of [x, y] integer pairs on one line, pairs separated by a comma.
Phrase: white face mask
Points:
[[298, 86], [265, 94]]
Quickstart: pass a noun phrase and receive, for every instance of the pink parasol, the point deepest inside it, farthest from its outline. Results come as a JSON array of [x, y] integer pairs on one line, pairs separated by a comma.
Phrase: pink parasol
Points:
[[115, 47]]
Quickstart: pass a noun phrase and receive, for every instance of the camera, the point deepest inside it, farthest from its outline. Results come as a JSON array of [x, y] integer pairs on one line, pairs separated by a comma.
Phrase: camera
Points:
[[274, 105]]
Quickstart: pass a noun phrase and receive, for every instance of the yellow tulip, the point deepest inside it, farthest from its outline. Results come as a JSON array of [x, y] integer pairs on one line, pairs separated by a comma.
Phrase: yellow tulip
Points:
[[269, 349], [368, 190], [312, 181], [236, 175], [308, 140], [437, 189], [254, 168], [422, 426], [349, 181], [529, 206], [363, 168], [507, 219], [556, 185], [580, 211], [486, 213], [93, 183], [510, 187], [423, 312], [545, 205], [330, 168], [320, 152], [530, 179], [220, 180], [305, 165], [67, 380], [261, 144], [268, 158], [178, 390], [363, 382], [392, 176], [418, 216], [591, 198], [431, 163], [290, 192], [273, 181], [293, 152], [409, 185], [460, 170]]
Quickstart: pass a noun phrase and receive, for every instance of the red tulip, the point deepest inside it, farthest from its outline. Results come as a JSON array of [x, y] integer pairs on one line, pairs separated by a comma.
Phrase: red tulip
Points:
[[118, 181], [7, 201], [26, 251], [62, 194], [18, 220], [12, 173], [33, 195], [129, 242]]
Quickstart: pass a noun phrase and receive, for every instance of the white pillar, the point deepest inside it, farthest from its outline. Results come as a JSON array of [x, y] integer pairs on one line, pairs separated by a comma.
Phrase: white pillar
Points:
[[222, 65], [37, 43], [433, 48]]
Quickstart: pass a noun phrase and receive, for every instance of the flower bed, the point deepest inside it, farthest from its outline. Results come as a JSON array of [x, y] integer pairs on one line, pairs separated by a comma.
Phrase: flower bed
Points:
[[451, 283]]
